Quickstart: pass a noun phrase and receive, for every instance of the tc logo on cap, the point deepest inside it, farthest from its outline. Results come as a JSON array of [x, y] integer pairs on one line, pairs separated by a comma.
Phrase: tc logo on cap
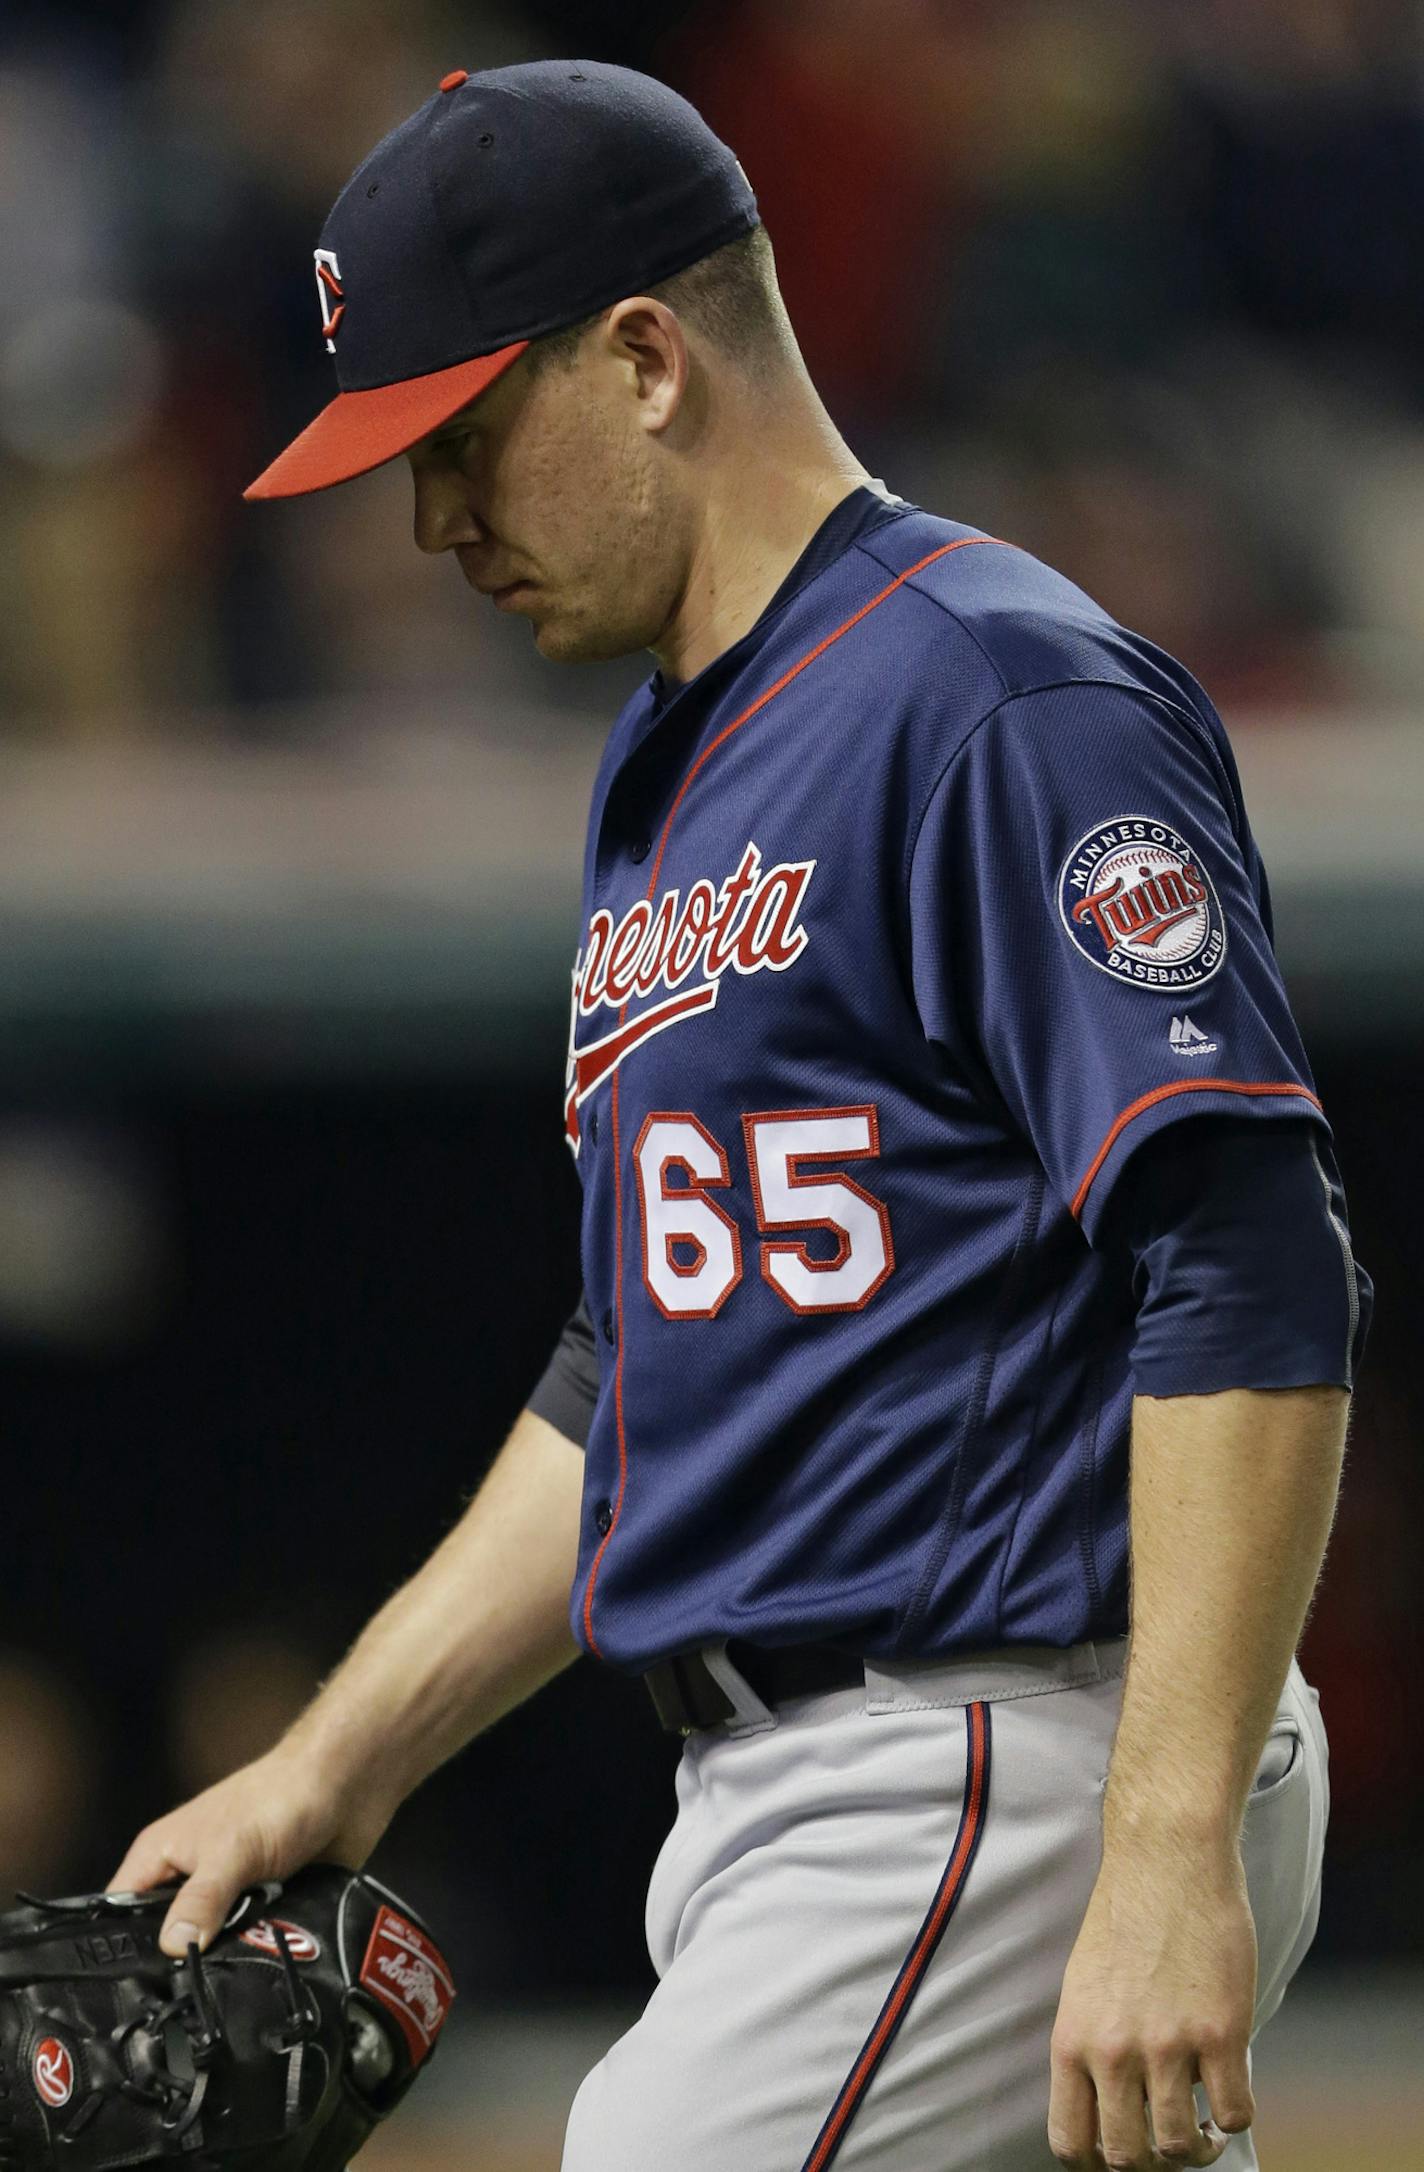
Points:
[[329, 294]]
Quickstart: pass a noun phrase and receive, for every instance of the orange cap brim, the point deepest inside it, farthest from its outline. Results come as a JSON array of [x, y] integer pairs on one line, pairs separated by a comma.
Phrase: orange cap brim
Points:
[[362, 430]]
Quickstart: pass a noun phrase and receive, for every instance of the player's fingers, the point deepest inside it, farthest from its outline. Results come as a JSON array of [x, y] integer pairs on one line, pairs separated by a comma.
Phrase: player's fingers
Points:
[[201, 1904], [1226, 2077], [1122, 2109], [1179, 2136], [147, 1864], [1072, 2113]]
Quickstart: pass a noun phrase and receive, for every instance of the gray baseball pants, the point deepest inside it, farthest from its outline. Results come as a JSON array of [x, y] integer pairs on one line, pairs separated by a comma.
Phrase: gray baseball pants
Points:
[[862, 1915]]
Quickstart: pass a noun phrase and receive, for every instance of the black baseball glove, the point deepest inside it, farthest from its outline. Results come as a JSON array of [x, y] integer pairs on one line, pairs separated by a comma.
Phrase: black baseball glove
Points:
[[301, 2027]]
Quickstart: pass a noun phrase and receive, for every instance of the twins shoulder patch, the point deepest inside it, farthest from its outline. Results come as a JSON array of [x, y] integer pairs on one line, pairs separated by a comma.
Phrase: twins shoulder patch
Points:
[[1137, 901]]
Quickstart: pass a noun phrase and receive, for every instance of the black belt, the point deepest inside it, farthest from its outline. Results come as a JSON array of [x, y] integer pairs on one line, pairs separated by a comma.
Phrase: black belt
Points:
[[686, 1696]]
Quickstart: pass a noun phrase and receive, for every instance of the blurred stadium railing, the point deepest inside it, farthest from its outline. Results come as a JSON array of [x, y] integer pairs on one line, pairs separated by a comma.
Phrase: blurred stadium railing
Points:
[[379, 886]]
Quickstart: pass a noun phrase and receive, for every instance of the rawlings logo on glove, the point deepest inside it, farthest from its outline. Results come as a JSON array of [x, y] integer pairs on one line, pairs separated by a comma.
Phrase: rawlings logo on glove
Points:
[[405, 1971], [54, 2073], [282, 2046]]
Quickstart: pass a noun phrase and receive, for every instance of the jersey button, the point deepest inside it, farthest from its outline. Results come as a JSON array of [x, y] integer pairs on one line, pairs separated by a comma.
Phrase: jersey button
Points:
[[593, 1129], [641, 850], [607, 1324], [603, 1517]]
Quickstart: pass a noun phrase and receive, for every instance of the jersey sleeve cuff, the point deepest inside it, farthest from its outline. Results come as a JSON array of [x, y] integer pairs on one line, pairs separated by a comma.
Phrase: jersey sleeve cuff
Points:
[[1165, 1104]]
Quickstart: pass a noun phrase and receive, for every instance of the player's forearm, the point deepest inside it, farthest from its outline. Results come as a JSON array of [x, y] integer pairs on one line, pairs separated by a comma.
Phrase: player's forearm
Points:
[[478, 1629], [1231, 1502]]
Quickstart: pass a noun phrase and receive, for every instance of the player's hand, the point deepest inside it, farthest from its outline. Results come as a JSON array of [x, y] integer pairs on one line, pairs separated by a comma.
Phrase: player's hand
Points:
[[1158, 1995], [264, 1821]]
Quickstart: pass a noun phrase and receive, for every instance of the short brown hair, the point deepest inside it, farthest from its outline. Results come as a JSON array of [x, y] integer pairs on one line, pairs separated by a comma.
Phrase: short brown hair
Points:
[[730, 298]]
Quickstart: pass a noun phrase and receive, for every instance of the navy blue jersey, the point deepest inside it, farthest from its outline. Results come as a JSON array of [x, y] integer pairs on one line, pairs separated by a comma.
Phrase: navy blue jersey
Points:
[[905, 924]]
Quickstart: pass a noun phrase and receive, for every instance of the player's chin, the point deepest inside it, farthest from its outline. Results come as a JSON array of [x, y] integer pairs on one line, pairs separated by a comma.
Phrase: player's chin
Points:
[[565, 637]]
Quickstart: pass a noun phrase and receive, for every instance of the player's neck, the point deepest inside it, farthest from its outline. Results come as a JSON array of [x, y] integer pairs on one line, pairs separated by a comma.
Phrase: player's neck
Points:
[[753, 525]]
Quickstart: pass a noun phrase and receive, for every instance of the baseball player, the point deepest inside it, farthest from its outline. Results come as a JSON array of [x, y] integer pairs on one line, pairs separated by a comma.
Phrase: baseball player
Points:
[[949, 1158]]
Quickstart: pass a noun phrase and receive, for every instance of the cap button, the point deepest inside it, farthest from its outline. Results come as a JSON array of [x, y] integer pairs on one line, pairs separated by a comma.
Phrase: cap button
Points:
[[454, 79]]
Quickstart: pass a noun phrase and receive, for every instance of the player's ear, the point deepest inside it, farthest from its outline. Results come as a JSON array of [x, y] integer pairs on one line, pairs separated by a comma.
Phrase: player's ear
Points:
[[645, 339]]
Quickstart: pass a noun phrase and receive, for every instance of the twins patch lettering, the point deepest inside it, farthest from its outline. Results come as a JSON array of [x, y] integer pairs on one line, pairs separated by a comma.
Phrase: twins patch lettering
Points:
[[1137, 901], [858, 1054]]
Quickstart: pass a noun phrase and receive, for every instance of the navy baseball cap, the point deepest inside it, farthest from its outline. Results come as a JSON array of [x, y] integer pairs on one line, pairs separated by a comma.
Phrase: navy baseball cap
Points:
[[513, 203]]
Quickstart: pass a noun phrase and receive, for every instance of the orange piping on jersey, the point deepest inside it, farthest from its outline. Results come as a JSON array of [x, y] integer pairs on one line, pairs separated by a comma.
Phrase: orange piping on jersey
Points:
[[907, 1983], [1165, 1093], [704, 757], [795, 672], [617, 1373]]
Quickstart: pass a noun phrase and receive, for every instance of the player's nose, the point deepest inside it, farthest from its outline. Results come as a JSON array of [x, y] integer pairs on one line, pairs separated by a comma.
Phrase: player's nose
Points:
[[443, 514]]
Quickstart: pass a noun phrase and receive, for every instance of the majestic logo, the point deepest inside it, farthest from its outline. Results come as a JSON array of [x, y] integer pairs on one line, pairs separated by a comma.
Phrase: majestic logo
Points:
[[1188, 1039], [746, 925], [54, 2073], [1137, 901], [301, 1945], [407, 1973], [330, 293]]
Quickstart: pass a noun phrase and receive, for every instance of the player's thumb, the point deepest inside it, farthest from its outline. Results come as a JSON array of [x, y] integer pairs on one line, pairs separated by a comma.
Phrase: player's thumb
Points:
[[199, 1909]]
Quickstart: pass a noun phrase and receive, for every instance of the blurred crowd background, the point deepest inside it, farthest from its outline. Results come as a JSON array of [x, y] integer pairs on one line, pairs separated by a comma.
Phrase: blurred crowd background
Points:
[[1143, 284], [288, 830]]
